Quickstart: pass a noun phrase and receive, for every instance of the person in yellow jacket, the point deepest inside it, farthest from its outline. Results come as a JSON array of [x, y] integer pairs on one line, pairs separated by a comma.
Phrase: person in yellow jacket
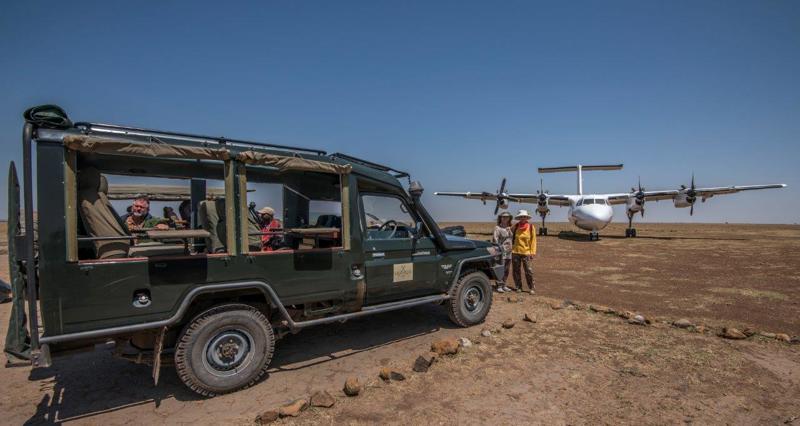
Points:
[[523, 250]]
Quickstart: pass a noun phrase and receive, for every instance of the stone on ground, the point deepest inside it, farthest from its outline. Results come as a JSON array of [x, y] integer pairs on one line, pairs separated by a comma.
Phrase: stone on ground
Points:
[[352, 387], [528, 318], [486, 333], [601, 309], [733, 333], [464, 342], [294, 408], [322, 399], [385, 374], [783, 337], [512, 299], [638, 320], [682, 323], [445, 346], [509, 323], [268, 416], [424, 362], [397, 376]]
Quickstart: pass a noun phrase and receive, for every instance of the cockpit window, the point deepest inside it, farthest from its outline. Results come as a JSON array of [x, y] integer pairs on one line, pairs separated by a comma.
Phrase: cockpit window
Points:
[[588, 201], [599, 201]]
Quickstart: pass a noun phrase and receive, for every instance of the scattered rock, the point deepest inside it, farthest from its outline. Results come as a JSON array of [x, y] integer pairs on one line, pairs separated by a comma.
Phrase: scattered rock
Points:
[[294, 408], [749, 332], [638, 320], [767, 335], [268, 416], [795, 340], [397, 376], [385, 374], [732, 333], [700, 328], [352, 387], [528, 318], [682, 323], [464, 342], [486, 333], [424, 362], [322, 399], [626, 314], [632, 371], [601, 309], [783, 337], [555, 307], [512, 299], [445, 347], [568, 304], [509, 323]]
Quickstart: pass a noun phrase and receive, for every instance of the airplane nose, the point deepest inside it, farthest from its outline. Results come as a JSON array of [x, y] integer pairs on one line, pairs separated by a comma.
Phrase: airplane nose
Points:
[[594, 216]]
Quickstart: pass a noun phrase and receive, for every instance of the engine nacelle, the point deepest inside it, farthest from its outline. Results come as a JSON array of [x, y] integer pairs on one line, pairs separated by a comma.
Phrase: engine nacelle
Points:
[[634, 206], [682, 200], [503, 204]]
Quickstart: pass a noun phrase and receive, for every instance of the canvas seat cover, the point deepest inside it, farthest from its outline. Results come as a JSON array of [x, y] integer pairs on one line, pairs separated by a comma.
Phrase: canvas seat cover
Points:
[[98, 218]]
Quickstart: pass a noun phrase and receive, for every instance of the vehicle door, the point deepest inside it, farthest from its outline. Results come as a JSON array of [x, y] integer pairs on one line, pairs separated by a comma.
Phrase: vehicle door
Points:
[[398, 265]]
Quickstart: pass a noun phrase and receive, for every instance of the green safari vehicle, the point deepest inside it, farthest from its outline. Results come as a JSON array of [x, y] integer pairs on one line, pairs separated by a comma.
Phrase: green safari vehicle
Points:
[[216, 288]]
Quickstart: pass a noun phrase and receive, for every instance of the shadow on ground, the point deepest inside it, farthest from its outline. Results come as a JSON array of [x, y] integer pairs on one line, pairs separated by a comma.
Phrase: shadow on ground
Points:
[[88, 384]]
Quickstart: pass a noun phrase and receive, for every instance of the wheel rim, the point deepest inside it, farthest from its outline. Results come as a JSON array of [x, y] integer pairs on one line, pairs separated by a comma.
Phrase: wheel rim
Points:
[[228, 352], [473, 299]]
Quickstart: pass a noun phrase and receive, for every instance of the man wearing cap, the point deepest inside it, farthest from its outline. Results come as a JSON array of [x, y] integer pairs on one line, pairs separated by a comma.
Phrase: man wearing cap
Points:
[[268, 224], [523, 250]]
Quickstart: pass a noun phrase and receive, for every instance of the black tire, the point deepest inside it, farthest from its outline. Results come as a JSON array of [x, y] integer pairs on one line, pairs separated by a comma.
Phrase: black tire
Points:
[[232, 328], [464, 310]]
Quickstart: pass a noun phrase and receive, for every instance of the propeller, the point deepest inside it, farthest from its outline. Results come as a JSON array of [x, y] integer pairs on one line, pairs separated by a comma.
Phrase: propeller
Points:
[[502, 197], [691, 195], [542, 193], [640, 196]]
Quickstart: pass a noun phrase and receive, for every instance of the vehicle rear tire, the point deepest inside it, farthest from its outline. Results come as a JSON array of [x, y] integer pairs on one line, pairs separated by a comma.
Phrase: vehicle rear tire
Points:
[[471, 299], [224, 349]]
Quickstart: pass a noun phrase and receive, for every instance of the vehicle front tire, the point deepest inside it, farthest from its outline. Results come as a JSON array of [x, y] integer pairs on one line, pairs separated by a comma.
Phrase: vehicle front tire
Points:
[[471, 299], [224, 349]]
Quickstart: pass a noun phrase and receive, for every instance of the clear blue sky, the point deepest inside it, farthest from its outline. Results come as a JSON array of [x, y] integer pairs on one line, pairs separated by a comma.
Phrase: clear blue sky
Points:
[[458, 93]]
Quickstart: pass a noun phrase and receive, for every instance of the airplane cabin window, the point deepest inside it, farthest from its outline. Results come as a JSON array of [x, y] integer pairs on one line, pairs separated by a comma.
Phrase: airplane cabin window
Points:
[[599, 201]]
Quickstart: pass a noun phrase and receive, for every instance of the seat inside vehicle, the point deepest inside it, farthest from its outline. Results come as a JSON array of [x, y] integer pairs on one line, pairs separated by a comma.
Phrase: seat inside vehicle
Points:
[[100, 220]]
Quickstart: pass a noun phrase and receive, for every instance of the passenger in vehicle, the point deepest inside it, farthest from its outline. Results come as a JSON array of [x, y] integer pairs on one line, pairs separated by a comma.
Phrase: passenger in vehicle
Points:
[[140, 217], [171, 217], [269, 242], [185, 210]]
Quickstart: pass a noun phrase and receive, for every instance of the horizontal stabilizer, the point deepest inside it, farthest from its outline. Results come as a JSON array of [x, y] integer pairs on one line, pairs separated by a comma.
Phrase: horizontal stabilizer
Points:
[[575, 168]]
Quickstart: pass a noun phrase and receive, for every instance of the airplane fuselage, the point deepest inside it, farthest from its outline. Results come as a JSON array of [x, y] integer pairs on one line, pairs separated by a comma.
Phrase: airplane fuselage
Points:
[[590, 212]]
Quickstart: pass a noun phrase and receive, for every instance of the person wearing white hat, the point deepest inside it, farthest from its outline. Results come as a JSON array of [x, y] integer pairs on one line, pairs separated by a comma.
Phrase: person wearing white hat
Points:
[[504, 238], [523, 250], [268, 225]]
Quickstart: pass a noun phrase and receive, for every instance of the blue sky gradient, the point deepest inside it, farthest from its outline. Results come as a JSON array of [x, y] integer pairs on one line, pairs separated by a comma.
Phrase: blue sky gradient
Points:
[[458, 93]]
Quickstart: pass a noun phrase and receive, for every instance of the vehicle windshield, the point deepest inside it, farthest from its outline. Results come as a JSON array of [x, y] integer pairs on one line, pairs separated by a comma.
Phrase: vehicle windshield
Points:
[[588, 201]]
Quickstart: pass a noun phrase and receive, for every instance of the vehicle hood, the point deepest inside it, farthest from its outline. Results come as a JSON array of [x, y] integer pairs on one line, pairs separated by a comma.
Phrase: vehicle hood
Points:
[[461, 243]]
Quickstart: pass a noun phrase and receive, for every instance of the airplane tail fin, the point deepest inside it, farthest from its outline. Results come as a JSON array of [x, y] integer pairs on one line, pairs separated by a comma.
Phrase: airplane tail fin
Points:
[[580, 168]]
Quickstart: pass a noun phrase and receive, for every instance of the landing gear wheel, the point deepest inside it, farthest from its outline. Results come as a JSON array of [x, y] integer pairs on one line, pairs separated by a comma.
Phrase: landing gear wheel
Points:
[[224, 349], [471, 299], [543, 231], [633, 232], [594, 236]]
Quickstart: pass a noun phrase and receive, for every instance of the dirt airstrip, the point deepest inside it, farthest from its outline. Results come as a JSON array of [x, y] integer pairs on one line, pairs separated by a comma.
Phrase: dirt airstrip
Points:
[[572, 366]]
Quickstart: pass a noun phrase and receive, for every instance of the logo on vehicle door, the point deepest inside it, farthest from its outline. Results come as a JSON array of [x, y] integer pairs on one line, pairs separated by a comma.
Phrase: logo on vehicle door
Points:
[[403, 272]]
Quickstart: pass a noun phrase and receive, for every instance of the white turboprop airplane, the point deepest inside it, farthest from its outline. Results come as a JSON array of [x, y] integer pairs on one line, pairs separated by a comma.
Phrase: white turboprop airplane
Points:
[[593, 212]]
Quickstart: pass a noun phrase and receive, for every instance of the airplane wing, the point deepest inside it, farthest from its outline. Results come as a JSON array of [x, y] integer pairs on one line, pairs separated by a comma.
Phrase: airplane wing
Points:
[[703, 193], [710, 192], [615, 199], [553, 199], [470, 195]]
